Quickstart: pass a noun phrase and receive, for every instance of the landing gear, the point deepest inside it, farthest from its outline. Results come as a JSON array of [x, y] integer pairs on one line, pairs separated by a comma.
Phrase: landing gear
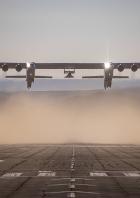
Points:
[[108, 75], [29, 84], [30, 75]]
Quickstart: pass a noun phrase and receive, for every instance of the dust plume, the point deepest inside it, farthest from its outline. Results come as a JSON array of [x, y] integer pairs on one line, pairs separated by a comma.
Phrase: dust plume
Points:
[[68, 117]]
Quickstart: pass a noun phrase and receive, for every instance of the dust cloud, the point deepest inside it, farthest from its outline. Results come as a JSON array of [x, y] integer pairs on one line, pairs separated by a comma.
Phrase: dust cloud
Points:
[[70, 117]]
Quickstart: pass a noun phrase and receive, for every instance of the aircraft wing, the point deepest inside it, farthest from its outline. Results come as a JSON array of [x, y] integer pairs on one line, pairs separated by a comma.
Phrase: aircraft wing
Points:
[[83, 65], [68, 65], [56, 65]]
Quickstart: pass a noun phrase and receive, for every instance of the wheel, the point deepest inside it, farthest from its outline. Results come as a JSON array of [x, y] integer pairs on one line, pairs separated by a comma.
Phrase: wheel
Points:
[[29, 84]]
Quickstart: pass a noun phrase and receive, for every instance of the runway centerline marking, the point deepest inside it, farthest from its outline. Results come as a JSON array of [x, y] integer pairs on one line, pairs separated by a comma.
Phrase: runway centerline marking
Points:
[[72, 180], [72, 159], [71, 195], [72, 186], [73, 151]]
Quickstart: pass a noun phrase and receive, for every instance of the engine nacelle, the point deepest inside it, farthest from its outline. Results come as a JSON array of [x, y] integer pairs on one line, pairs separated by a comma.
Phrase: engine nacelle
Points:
[[18, 67], [134, 68], [5, 67], [120, 68]]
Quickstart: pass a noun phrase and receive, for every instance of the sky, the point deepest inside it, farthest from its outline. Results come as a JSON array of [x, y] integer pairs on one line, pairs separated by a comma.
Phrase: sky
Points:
[[69, 30]]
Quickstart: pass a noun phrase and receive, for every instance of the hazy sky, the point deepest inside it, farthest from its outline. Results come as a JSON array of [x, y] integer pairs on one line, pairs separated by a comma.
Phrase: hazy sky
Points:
[[69, 30]]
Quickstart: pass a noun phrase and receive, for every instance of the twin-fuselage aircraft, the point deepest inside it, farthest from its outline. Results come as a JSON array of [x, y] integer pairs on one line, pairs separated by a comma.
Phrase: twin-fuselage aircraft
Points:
[[69, 70]]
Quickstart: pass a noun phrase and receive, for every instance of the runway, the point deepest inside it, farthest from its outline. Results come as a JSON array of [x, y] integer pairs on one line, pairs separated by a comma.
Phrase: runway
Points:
[[41, 170]]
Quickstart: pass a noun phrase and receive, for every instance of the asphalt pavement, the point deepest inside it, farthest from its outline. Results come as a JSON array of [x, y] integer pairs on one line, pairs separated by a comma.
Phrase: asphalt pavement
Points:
[[72, 170]]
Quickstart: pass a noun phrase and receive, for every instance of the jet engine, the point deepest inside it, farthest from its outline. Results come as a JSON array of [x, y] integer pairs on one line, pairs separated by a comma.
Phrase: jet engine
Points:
[[120, 68], [134, 68], [18, 67], [5, 67]]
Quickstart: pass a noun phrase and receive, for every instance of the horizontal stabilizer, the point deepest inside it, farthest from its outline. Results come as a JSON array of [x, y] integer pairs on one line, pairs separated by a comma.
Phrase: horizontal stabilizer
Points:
[[43, 76], [16, 76], [93, 76], [120, 76], [24, 76], [88, 77]]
